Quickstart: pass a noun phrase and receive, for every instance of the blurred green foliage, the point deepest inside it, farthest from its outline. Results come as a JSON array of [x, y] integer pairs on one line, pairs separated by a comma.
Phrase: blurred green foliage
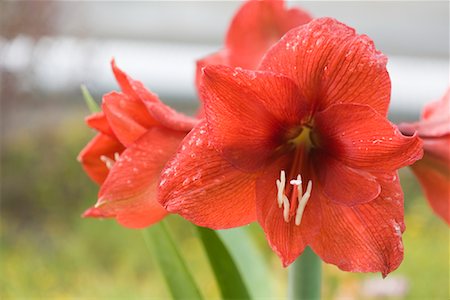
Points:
[[48, 251]]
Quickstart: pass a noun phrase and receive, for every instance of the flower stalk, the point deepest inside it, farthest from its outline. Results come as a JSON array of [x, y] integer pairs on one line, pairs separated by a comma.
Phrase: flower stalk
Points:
[[304, 277]]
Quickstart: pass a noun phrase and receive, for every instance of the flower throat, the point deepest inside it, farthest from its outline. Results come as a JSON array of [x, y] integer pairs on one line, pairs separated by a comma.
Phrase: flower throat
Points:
[[296, 205]]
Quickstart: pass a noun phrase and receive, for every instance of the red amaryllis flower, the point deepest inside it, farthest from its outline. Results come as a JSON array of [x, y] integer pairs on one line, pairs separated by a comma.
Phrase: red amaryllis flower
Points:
[[433, 170], [303, 146], [257, 26], [137, 135]]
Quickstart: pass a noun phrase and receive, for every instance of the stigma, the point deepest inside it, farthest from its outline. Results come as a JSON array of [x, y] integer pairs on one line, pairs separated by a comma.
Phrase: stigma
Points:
[[297, 197]]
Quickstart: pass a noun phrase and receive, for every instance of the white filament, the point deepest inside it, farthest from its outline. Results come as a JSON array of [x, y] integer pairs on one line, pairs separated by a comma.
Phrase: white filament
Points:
[[281, 183], [302, 200]]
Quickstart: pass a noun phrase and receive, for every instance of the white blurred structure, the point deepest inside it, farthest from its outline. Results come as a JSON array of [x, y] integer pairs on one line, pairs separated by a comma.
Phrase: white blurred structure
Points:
[[158, 43]]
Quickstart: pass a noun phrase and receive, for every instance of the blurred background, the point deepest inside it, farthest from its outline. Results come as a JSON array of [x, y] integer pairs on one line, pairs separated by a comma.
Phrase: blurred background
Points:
[[48, 49]]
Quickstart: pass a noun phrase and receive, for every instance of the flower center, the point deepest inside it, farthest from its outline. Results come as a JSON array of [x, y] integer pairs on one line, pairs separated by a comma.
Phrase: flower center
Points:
[[298, 198], [304, 136]]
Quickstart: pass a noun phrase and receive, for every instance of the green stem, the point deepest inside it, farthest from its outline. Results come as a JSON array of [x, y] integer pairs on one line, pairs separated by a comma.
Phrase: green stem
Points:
[[305, 277], [229, 279], [180, 281]]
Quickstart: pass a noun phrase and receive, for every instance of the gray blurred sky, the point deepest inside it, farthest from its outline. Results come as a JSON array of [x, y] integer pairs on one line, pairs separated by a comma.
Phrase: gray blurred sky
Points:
[[53, 47], [398, 27]]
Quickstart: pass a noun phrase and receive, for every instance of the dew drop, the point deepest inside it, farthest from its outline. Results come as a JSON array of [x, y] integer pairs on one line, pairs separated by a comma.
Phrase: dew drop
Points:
[[197, 176], [397, 229], [319, 41]]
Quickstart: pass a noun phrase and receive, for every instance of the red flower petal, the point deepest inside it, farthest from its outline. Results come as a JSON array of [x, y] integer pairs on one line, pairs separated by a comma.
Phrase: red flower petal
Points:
[[169, 118], [219, 58], [345, 185], [428, 128], [249, 112], [366, 237], [332, 64], [439, 148], [99, 122], [256, 27], [90, 156], [97, 213], [360, 137], [129, 192], [434, 177], [138, 98], [128, 117], [435, 120], [133, 88], [286, 239], [205, 189], [438, 109]]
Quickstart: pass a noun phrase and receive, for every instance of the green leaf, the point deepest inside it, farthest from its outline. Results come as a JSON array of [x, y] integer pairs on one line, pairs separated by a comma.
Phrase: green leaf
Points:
[[227, 274], [250, 261], [179, 280], [90, 102]]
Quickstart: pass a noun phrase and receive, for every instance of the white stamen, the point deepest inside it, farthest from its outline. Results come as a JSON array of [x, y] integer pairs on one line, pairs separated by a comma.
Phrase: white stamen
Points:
[[108, 161], [302, 200], [283, 200], [116, 156], [286, 209], [279, 197], [281, 183]]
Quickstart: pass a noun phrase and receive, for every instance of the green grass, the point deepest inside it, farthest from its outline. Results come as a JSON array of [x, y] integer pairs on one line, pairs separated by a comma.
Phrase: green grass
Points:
[[48, 251]]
